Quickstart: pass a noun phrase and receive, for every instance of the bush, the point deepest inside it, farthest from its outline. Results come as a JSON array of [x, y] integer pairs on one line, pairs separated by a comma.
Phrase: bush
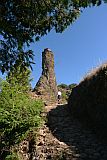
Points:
[[12, 156], [64, 96], [63, 86], [71, 86], [18, 115]]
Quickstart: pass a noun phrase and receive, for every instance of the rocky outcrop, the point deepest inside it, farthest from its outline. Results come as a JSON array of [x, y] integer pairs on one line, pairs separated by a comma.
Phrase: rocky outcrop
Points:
[[46, 87], [88, 100]]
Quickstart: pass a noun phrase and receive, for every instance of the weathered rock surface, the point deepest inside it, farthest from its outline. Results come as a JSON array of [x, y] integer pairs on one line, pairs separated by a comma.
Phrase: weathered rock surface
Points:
[[64, 138], [88, 100], [46, 87]]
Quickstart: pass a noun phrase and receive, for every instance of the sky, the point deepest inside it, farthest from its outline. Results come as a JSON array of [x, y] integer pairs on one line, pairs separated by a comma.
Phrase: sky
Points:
[[80, 48], [77, 50]]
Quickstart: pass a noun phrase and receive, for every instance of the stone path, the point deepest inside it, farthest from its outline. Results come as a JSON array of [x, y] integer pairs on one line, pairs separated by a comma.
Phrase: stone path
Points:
[[64, 138]]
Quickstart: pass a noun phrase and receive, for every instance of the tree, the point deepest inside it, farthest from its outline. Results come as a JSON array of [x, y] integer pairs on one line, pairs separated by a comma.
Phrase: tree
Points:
[[63, 86], [22, 20], [20, 78], [71, 86]]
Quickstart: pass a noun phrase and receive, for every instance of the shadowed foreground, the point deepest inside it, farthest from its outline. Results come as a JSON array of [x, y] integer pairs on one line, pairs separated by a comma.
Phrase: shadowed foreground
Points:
[[64, 138]]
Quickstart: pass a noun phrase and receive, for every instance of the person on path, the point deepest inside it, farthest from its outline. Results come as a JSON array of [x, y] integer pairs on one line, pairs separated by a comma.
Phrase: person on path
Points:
[[59, 96]]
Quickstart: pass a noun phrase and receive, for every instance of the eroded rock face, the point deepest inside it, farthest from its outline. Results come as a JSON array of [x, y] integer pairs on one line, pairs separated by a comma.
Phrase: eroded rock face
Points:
[[46, 87], [88, 100]]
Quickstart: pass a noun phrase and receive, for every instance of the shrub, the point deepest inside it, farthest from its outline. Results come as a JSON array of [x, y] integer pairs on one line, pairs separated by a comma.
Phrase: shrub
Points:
[[64, 96], [63, 86], [12, 156], [71, 86], [18, 115]]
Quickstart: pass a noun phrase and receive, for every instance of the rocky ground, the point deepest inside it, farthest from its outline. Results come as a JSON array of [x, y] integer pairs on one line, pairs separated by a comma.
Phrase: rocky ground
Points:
[[64, 138]]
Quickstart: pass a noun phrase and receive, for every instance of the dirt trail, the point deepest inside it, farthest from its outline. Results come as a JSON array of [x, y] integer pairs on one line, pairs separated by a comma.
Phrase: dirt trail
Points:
[[64, 138]]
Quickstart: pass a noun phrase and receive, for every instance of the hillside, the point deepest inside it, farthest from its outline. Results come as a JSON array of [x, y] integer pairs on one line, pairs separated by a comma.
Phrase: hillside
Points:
[[88, 100]]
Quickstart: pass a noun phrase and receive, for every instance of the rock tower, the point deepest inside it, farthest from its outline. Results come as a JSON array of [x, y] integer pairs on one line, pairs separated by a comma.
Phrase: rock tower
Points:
[[46, 87]]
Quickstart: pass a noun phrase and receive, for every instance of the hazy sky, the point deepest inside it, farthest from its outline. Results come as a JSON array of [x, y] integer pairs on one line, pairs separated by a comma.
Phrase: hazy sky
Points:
[[78, 49]]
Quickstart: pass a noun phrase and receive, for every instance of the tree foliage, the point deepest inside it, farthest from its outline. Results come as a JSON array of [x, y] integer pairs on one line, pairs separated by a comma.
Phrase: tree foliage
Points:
[[71, 86], [63, 86], [21, 21], [20, 77]]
